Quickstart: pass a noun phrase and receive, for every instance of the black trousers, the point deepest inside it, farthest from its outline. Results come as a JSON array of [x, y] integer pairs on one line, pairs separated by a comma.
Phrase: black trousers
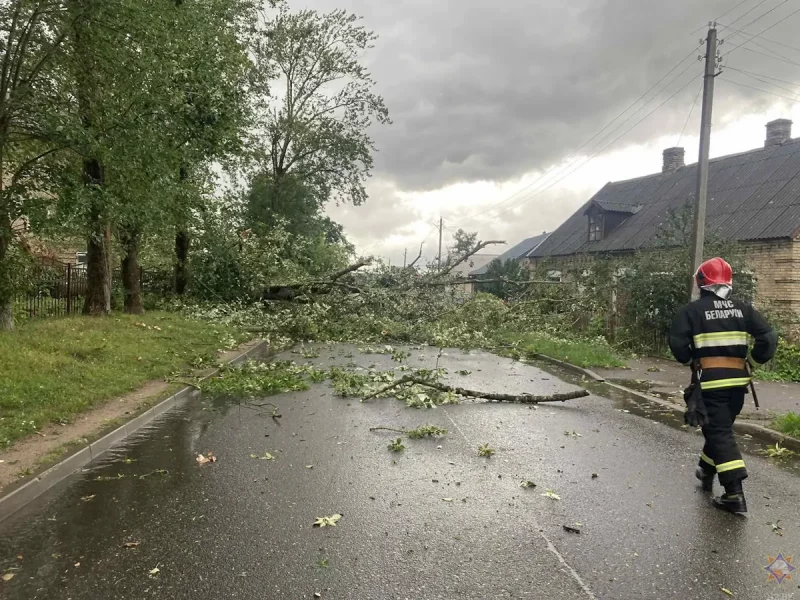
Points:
[[721, 454]]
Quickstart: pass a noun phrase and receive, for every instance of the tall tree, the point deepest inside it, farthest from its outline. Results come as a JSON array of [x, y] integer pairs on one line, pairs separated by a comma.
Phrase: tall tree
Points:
[[316, 140], [31, 34], [221, 89]]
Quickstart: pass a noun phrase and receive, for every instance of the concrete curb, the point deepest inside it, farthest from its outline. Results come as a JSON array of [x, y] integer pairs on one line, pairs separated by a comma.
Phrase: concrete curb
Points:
[[576, 369], [14, 501], [743, 427]]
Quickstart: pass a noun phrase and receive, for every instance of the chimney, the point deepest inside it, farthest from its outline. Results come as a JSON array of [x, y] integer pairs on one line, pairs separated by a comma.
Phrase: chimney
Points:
[[779, 132], [673, 160]]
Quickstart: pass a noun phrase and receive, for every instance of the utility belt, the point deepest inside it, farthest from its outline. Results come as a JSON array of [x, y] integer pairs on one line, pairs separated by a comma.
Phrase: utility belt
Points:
[[721, 362]]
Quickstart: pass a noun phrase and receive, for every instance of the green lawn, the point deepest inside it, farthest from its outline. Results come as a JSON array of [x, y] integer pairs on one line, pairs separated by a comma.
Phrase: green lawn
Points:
[[788, 424], [52, 369], [582, 353]]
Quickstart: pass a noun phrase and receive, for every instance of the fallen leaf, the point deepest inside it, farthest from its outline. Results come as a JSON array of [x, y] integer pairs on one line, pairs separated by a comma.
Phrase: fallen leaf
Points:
[[569, 529], [551, 494], [447, 499], [155, 571], [317, 595], [527, 484], [309, 466], [19, 556], [776, 528], [209, 458], [77, 565], [595, 475], [131, 544], [8, 576], [87, 498], [327, 521], [726, 591]]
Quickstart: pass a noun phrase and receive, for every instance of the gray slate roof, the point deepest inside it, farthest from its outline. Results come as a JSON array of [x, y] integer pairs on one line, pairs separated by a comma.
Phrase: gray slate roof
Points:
[[751, 196], [521, 250]]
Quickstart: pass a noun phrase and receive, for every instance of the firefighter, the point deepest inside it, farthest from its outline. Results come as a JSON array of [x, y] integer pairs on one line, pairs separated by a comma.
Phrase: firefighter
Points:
[[712, 336]]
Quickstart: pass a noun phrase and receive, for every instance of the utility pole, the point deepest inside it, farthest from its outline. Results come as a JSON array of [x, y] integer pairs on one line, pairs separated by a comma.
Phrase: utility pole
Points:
[[405, 256], [439, 260], [698, 237]]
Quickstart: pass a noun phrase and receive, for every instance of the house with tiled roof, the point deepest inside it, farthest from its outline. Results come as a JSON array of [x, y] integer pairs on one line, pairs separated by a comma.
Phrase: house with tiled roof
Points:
[[753, 199]]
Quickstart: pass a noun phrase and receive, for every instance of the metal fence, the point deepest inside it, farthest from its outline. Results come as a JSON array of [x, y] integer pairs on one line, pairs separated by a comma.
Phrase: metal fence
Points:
[[57, 290]]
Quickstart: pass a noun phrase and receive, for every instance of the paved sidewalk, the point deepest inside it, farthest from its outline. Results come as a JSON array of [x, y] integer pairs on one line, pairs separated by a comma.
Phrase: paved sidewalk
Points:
[[667, 379]]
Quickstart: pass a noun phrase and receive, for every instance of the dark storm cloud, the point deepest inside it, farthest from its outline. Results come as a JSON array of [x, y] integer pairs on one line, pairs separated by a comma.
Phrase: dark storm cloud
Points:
[[487, 92]]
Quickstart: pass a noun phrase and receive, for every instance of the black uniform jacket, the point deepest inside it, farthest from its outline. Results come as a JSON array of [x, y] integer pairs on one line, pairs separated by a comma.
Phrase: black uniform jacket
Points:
[[712, 327]]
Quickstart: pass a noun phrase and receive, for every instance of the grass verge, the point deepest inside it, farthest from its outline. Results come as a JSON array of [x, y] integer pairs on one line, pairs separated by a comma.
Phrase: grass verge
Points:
[[583, 353], [788, 424], [53, 369]]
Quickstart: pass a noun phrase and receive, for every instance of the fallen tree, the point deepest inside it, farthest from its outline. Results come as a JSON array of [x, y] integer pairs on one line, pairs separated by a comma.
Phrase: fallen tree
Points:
[[302, 292]]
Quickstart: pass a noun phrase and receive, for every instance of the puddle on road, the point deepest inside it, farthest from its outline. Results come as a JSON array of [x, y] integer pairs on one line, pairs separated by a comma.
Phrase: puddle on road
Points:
[[656, 412]]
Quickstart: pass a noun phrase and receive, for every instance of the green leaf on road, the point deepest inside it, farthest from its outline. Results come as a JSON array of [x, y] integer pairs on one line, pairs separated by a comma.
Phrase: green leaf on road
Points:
[[327, 521], [551, 494]]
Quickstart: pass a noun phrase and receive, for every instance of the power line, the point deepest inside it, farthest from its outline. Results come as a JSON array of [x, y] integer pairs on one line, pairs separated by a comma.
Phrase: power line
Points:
[[786, 60], [549, 185], [760, 90], [574, 154], [729, 68], [542, 180], [764, 15], [770, 40], [691, 110], [768, 28], [748, 12], [528, 199], [757, 78], [726, 13]]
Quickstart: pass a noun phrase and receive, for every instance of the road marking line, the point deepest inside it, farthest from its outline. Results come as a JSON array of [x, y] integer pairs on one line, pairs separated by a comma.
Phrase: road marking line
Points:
[[563, 561], [550, 546], [447, 414]]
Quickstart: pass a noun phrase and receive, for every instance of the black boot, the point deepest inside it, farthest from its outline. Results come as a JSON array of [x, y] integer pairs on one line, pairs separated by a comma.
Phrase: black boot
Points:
[[733, 499], [706, 479], [734, 503]]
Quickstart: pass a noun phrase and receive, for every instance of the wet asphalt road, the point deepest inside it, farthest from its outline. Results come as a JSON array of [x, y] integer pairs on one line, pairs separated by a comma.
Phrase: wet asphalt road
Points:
[[242, 527]]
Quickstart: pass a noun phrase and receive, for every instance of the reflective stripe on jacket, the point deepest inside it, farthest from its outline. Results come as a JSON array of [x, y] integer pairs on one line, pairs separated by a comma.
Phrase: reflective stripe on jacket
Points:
[[712, 327]]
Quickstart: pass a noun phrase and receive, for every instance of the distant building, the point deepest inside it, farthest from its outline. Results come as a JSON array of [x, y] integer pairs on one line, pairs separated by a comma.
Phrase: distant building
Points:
[[753, 199]]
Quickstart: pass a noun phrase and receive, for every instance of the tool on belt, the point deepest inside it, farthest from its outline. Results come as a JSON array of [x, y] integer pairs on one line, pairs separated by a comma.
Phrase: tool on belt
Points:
[[753, 387], [728, 362], [695, 415]]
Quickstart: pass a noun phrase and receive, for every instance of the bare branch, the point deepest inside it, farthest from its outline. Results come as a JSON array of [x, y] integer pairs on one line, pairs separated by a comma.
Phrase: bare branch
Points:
[[478, 247], [414, 262]]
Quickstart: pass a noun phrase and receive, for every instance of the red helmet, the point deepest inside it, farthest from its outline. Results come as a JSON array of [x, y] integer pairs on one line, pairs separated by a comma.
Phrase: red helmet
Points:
[[715, 271]]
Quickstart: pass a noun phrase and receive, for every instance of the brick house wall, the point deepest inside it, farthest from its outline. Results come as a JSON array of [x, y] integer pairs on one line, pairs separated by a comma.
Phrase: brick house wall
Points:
[[775, 265]]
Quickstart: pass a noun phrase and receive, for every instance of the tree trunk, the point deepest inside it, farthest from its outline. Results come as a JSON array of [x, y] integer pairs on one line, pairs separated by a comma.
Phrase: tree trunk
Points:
[[6, 297], [182, 243], [130, 274], [98, 267]]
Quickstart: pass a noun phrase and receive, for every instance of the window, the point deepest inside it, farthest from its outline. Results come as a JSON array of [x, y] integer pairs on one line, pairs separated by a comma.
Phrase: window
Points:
[[554, 275], [595, 227], [81, 258]]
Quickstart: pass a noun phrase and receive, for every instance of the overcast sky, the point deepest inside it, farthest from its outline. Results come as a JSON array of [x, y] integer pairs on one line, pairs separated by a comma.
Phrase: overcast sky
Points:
[[488, 101]]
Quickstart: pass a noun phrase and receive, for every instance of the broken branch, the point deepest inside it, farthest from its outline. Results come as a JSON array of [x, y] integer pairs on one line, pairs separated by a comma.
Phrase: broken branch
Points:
[[517, 398], [414, 262], [478, 247]]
